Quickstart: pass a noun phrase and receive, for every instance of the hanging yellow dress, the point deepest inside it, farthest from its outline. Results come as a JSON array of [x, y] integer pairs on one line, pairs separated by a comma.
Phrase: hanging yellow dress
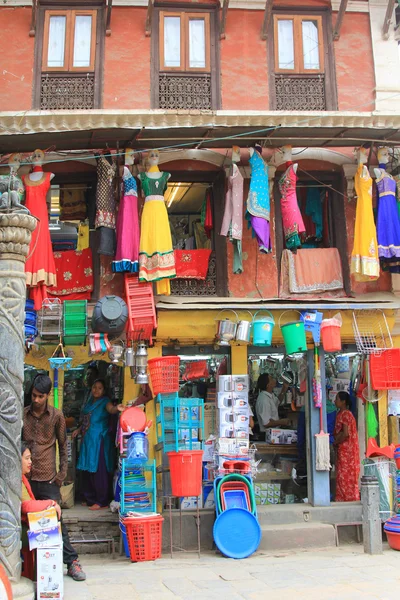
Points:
[[156, 254], [364, 258]]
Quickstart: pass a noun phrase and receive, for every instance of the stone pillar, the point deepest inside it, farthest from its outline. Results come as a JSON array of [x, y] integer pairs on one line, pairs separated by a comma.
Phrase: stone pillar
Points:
[[15, 235], [372, 526]]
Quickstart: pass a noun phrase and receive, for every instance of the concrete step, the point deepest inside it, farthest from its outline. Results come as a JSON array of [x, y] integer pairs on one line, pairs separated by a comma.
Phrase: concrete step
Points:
[[296, 536], [285, 514]]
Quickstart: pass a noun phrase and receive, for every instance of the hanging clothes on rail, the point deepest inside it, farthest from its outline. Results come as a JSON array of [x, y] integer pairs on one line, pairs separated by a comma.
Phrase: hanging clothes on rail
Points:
[[258, 202], [156, 256], [105, 206], [364, 258], [293, 224], [40, 269], [127, 255], [232, 222], [388, 222]]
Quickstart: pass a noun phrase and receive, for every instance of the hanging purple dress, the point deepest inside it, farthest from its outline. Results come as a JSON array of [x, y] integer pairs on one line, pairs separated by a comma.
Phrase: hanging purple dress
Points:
[[127, 256], [258, 203]]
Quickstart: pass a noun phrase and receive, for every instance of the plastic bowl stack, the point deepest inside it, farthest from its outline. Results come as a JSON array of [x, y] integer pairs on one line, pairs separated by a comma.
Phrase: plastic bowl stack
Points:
[[392, 530]]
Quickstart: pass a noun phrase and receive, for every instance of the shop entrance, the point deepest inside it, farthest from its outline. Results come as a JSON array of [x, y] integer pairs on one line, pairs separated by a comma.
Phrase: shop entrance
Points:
[[75, 392]]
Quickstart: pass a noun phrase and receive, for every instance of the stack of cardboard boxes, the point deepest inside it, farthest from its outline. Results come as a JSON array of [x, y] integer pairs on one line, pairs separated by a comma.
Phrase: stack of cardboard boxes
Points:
[[233, 421], [44, 536]]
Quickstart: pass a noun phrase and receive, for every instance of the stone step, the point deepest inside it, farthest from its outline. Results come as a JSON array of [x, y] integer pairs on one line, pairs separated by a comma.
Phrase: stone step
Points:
[[285, 514], [297, 536]]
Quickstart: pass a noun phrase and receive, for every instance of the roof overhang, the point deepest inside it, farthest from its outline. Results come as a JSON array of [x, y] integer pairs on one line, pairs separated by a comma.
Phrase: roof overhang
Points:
[[90, 129]]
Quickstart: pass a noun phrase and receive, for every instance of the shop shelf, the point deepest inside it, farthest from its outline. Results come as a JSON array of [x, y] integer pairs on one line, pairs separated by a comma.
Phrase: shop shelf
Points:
[[75, 322], [138, 487]]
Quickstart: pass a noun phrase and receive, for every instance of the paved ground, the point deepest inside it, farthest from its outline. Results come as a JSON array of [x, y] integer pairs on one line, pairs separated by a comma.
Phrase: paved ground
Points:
[[345, 573]]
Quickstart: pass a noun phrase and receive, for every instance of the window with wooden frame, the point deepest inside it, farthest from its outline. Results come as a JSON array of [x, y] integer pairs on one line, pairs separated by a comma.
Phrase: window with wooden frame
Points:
[[69, 41], [298, 44], [184, 42]]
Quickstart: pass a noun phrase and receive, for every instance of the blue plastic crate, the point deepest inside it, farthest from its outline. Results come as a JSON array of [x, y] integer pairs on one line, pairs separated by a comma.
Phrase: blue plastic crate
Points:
[[179, 422]]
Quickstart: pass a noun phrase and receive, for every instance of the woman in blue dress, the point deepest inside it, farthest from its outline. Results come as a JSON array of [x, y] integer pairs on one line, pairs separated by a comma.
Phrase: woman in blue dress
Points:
[[96, 454]]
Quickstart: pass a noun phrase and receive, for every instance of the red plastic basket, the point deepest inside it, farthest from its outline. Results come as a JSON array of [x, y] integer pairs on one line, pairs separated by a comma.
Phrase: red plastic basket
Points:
[[385, 370], [164, 374], [144, 537], [141, 309]]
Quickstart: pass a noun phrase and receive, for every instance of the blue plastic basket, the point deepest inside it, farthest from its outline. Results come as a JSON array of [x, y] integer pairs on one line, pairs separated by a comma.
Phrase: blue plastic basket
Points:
[[235, 499]]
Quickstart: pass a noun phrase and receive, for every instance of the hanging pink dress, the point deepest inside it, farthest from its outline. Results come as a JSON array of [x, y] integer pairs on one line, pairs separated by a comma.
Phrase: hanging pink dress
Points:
[[127, 256], [293, 223]]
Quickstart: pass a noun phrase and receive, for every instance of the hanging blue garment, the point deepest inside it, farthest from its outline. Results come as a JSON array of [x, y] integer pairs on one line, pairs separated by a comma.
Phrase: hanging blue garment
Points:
[[314, 210]]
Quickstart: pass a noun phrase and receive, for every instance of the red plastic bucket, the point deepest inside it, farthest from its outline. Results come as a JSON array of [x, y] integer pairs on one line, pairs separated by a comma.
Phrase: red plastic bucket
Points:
[[330, 336], [186, 472]]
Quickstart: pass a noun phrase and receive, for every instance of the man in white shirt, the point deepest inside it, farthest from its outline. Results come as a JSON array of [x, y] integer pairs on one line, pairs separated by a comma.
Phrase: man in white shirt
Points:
[[267, 403]]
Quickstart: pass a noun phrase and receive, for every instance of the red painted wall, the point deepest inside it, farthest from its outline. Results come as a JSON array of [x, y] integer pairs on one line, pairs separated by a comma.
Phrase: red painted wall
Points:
[[354, 63], [243, 55], [127, 60], [16, 59], [260, 274]]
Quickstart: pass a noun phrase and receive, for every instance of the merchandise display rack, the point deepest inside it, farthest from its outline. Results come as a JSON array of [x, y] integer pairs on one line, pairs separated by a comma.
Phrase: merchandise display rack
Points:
[[138, 487], [179, 421], [169, 501]]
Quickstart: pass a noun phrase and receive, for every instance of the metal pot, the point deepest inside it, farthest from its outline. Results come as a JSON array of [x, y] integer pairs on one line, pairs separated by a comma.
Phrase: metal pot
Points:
[[226, 329], [116, 352], [142, 377], [130, 357], [243, 330]]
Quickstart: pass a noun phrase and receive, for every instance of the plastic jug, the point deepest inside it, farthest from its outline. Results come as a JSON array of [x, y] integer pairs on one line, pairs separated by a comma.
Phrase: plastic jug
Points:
[[137, 448]]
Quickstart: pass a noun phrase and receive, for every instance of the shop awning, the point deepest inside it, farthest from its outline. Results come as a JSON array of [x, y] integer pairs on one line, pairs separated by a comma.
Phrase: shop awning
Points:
[[91, 129], [380, 300]]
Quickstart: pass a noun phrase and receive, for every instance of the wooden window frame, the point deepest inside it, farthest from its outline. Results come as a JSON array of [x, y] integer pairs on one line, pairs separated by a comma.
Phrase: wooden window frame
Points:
[[185, 17], [298, 43], [70, 16]]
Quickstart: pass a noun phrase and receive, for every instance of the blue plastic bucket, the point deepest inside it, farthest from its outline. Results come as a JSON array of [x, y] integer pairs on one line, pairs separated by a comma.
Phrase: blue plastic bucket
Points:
[[263, 329], [124, 539]]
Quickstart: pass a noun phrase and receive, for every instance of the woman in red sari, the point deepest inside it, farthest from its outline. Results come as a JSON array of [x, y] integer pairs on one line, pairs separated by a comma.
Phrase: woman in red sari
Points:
[[348, 454]]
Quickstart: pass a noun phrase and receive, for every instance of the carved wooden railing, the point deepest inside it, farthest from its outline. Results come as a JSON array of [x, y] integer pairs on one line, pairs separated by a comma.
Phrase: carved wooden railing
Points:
[[184, 91], [69, 91], [300, 92]]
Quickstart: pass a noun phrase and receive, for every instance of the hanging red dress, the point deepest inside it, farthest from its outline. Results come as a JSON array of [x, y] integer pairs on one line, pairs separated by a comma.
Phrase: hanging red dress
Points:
[[40, 268]]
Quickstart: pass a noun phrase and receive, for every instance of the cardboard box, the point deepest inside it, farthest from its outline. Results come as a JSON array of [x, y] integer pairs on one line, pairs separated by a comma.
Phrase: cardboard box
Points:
[[209, 449], [208, 471], [267, 493], [233, 383], [233, 415], [281, 436], [210, 420], [233, 446], [50, 574], [234, 430], [232, 400], [190, 502], [45, 519], [45, 538], [208, 496]]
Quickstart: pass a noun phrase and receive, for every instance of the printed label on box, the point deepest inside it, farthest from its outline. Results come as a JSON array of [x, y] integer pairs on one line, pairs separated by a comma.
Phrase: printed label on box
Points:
[[46, 538], [281, 436], [232, 400], [233, 383], [233, 446], [43, 519]]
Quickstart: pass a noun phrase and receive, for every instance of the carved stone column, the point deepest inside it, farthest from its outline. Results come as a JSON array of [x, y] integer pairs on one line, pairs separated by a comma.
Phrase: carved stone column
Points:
[[15, 235]]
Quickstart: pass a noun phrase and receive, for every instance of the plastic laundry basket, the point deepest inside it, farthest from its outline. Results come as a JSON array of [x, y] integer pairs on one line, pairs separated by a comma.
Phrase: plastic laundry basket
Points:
[[164, 374], [144, 537]]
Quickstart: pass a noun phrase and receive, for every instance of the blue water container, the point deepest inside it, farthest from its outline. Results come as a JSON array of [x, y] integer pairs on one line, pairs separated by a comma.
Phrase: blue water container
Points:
[[137, 448]]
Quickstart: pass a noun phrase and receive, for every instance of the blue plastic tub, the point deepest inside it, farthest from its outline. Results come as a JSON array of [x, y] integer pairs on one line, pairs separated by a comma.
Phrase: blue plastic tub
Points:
[[235, 499], [237, 533]]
